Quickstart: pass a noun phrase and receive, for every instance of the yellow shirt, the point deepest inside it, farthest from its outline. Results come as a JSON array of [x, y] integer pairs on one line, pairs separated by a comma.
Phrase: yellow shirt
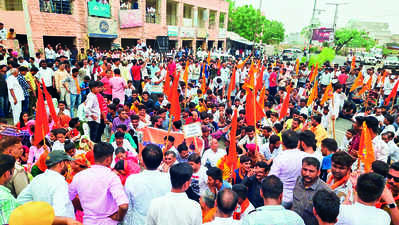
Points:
[[320, 134], [59, 76], [31, 80]]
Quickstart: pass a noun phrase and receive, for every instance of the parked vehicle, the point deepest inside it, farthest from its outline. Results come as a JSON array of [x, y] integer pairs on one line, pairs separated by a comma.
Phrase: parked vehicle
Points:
[[391, 62], [291, 54], [369, 59]]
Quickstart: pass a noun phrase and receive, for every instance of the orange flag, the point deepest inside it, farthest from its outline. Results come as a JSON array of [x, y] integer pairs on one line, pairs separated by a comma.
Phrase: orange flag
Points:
[[259, 80], [208, 60], [366, 151], [392, 94], [328, 94], [313, 94], [353, 64], [297, 66], [203, 84], [166, 86], [232, 156], [366, 87], [284, 107], [358, 82], [250, 107], [174, 100], [41, 124], [381, 78], [232, 84], [185, 75], [262, 98], [50, 105], [218, 64], [241, 65], [314, 73]]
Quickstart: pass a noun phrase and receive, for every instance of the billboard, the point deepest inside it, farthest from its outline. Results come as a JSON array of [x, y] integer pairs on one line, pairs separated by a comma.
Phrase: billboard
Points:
[[130, 18], [99, 9], [323, 34], [102, 28]]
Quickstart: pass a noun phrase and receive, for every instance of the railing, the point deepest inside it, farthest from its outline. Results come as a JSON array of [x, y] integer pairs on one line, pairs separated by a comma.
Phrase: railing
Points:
[[126, 5], [152, 17], [56, 6]]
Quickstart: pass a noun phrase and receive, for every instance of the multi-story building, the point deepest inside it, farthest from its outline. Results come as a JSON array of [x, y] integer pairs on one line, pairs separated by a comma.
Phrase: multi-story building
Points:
[[187, 23]]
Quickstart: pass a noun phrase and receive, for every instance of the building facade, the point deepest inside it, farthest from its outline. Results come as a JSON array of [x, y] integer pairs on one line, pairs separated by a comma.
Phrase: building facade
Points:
[[106, 23]]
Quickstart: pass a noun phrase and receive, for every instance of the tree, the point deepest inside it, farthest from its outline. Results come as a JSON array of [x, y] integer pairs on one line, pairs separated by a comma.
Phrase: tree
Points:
[[352, 38], [250, 24], [326, 55]]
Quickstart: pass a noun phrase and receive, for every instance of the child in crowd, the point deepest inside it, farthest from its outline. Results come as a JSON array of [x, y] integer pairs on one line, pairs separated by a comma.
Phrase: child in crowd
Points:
[[59, 143], [73, 132]]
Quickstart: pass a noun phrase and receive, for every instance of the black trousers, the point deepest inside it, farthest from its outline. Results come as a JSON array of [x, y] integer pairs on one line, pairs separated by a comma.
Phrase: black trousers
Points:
[[93, 125]]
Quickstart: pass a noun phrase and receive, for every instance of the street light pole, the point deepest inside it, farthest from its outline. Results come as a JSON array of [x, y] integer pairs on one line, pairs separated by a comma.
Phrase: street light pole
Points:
[[336, 13]]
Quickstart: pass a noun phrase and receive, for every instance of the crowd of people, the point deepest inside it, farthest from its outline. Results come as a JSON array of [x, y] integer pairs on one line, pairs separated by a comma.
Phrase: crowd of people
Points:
[[269, 152]]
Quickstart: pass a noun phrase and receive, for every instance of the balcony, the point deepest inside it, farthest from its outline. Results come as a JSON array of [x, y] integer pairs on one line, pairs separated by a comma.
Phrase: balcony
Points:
[[59, 7], [129, 4]]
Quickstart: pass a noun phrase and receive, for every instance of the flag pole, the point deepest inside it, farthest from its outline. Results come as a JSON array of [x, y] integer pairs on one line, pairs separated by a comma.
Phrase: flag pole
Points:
[[169, 130]]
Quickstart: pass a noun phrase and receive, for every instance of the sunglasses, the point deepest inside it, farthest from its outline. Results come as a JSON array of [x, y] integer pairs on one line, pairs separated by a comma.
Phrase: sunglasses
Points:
[[396, 179]]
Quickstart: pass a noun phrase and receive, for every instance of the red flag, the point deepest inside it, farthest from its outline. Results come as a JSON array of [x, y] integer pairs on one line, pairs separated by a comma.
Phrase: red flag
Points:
[[366, 151], [41, 125], [284, 107], [166, 86], [392, 94], [232, 84], [174, 100], [50, 105], [232, 156]]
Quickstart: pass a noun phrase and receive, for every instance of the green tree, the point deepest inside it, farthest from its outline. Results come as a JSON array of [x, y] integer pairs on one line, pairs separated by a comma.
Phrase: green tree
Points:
[[250, 24], [352, 38]]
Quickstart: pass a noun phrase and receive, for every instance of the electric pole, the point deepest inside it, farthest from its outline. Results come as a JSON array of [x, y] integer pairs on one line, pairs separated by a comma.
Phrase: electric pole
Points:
[[336, 13], [28, 28]]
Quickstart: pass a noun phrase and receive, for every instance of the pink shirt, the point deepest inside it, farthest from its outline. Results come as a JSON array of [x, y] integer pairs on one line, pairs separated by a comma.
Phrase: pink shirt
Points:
[[118, 85], [34, 154], [100, 192], [273, 80], [342, 78], [107, 86]]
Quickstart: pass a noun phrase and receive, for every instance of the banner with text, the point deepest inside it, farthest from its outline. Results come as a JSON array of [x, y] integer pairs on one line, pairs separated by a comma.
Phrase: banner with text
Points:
[[101, 28], [99, 9], [131, 18]]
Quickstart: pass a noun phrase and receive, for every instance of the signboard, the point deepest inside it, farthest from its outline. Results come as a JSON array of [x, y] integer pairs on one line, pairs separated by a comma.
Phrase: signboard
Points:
[[173, 31], [323, 34], [155, 136], [130, 18], [222, 33], [101, 28], [99, 9], [187, 32], [201, 33], [192, 130]]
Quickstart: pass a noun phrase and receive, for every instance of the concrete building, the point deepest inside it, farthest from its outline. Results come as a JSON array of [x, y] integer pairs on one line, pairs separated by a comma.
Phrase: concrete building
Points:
[[378, 30], [187, 23]]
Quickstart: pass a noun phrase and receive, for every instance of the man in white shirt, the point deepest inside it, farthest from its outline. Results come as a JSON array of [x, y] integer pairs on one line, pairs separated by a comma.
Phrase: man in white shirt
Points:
[[51, 186], [388, 86], [92, 109], [143, 187], [369, 189], [47, 75], [212, 156], [3, 33], [380, 147], [226, 204], [199, 179], [175, 207], [15, 94]]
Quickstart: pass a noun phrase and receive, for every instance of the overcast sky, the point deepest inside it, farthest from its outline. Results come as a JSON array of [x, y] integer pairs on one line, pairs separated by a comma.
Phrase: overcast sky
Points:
[[295, 14]]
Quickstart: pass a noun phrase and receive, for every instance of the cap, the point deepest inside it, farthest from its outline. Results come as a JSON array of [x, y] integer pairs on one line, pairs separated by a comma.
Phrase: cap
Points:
[[33, 213], [57, 156]]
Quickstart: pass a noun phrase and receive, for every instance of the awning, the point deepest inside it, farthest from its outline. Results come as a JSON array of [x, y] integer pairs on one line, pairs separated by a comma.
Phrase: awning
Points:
[[236, 37]]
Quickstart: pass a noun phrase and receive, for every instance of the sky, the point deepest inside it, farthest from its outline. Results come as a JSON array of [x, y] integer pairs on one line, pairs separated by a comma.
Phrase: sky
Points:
[[296, 14]]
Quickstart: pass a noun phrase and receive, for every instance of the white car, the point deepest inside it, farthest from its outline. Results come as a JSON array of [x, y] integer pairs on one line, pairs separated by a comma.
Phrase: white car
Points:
[[391, 62], [369, 59]]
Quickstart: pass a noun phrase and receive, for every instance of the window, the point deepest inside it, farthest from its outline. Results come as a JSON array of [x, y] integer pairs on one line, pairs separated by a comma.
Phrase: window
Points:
[[13, 5], [56, 6], [129, 4], [221, 19], [152, 14], [212, 19]]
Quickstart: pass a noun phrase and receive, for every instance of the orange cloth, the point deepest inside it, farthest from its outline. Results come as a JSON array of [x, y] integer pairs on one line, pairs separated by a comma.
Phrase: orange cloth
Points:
[[209, 215], [243, 207], [77, 85]]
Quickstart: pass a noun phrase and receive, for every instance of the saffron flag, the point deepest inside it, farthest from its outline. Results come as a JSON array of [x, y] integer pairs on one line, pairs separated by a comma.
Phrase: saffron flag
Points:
[[208, 60], [232, 84], [166, 86], [241, 65], [232, 156], [262, 98], [50, 105], [174, 100], [328, 94], [185, 75], [284, 107], [250, 106], [366, 87], [353, 64], [313, 94], [381, 78], [259, 80], [203, 84], [358, 82], [41, 125], [366, 151], [297, 66], [314, 73], [392, 94]]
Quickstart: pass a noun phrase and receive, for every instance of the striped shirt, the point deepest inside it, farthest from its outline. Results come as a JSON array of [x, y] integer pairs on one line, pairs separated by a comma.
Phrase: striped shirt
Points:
[[7, 204]]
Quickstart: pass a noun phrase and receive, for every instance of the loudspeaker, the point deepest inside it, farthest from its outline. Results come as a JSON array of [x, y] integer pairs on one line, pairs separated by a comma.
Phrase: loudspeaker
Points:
[[163, 43]]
